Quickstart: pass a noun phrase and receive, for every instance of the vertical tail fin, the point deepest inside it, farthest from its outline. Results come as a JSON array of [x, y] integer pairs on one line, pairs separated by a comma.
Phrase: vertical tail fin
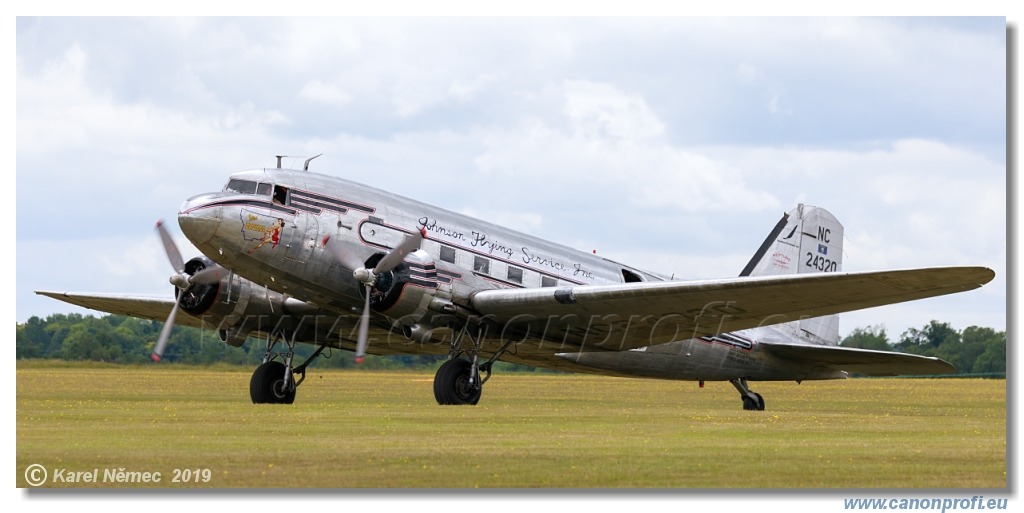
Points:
[[806, 240]]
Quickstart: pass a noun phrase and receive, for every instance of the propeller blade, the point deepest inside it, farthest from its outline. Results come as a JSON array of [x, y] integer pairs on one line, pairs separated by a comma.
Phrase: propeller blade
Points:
[[170, 247], [364, 328], [395, 256], [344, 257], [212, 274], [165, 333]]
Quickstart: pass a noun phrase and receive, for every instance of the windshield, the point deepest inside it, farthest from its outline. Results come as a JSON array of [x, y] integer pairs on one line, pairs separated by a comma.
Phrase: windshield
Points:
[[248, 187]]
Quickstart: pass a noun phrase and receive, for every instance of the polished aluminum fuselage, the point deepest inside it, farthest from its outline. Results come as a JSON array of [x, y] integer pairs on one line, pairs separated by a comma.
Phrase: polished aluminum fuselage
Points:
[[276, 239]]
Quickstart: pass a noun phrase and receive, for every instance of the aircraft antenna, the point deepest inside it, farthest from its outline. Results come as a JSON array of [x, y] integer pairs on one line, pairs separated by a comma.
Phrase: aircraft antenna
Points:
[[279, 157], [305, 166]]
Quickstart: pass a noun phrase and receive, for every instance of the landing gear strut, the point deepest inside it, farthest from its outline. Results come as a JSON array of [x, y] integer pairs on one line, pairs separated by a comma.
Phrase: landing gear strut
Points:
[[751, 400], [274, 381], [458, 380]]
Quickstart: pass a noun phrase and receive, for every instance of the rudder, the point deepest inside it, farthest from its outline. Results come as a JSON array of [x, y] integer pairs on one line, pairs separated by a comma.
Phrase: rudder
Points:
[[806, 240]]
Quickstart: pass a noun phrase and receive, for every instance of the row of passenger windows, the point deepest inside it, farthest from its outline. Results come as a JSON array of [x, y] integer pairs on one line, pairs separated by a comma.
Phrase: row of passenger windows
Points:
[[482, 265]]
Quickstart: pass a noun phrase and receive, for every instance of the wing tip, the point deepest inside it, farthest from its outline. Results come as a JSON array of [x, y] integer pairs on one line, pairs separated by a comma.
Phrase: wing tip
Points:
[[985, 275]]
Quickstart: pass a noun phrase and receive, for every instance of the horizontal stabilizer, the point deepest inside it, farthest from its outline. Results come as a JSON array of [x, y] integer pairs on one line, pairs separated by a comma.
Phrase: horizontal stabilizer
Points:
[[863, 361]]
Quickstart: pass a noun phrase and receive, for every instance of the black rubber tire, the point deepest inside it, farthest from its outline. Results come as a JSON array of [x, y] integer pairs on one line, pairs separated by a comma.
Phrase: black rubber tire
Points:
[[451, 383], [439, 395], [755, 403], [267, 385]]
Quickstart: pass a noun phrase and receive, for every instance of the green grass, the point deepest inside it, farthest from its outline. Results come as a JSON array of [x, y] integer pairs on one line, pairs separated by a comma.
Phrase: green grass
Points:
[[357, 429]]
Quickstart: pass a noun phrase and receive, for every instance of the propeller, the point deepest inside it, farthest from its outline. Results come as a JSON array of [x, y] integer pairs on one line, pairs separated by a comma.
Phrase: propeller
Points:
[[368, 277], [346, 258], [183, 281]]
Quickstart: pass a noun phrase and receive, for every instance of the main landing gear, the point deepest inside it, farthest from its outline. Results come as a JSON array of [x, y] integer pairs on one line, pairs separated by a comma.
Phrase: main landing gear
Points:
[[751, 400], [274, 381], [457, 383], [458, 380]]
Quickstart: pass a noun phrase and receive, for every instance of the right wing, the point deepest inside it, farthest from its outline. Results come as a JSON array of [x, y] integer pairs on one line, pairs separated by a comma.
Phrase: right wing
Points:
[[634, 315], [155, 308]]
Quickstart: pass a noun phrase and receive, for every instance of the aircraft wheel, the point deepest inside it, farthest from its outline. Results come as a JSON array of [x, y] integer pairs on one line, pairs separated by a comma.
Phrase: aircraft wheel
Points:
[[452, 383], [268, 385], [439, 394], [755, 403]]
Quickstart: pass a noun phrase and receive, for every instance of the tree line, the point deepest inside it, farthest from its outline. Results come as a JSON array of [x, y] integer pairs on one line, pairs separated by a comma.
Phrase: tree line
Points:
[[975, 350], [123, 339]]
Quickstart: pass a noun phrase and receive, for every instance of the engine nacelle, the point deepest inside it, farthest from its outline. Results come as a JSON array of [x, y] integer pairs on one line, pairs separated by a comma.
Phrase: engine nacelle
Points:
[[405, 293], [237, 307]]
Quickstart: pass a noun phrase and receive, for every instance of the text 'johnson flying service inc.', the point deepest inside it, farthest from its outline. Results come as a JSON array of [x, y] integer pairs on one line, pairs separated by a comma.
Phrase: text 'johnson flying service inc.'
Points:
[[292, 256]]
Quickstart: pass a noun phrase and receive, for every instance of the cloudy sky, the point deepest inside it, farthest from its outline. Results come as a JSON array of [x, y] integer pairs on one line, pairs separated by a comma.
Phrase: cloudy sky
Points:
[[670, 144]]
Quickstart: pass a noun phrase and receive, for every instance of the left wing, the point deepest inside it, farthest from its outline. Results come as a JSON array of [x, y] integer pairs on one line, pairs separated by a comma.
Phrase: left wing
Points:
[[155, 308], [634, 315]]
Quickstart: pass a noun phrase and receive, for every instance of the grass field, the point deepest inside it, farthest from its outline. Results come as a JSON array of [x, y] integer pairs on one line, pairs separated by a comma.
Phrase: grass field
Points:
[[357, 429]]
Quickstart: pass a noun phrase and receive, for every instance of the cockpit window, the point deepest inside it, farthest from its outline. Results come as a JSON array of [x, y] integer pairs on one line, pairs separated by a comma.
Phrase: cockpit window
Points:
[[242, 186], [249, 187]]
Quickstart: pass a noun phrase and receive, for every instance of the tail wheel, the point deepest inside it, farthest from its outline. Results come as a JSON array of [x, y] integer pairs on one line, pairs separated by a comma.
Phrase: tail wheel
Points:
[[268, 385], [454, 383], [753, 403]]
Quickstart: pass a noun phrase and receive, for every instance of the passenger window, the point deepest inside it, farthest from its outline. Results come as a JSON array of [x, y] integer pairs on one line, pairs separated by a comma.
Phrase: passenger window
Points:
[[481, 265], [547, 281], [515, 274], [630, 276], [448, 254]]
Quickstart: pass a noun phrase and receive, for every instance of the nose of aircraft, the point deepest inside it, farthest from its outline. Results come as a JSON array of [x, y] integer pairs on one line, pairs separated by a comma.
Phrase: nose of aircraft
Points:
[[199, 219]]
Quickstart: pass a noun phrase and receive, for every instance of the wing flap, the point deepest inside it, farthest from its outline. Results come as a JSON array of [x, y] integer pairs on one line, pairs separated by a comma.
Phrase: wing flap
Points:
[[633, 315], [864, 361], [155, 308]]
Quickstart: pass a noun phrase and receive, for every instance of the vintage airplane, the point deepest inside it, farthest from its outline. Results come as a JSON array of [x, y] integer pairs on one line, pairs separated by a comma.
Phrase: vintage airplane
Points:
[[294, 256]]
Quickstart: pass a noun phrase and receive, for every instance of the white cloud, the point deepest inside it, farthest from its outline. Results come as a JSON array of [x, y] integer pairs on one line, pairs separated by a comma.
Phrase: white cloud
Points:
[[609, 146], [600, 111], [466, 89], [909, 203], [655, 141], [770, 91], [329, 94]]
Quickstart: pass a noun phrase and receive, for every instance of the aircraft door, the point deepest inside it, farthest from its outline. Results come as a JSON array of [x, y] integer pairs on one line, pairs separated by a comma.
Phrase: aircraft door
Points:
[[301, 234], [305, 229]]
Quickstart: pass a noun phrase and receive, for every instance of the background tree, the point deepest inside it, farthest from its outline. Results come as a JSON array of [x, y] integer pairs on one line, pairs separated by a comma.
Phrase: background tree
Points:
[[990, 347], [121, 339], [928, 339], [871, 337]]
